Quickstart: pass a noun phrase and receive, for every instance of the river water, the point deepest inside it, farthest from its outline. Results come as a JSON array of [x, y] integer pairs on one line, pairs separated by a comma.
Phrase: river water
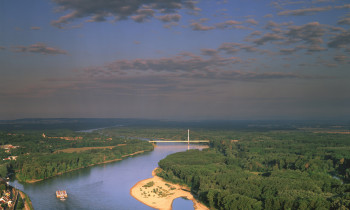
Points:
[[104, 186]]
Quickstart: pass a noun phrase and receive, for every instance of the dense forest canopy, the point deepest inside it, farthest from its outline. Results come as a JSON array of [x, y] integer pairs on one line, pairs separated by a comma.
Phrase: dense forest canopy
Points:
[[293, 169], [35, 154], [249, 165]]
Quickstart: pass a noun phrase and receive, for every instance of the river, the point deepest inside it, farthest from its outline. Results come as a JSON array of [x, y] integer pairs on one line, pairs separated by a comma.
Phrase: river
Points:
[[104, 186]]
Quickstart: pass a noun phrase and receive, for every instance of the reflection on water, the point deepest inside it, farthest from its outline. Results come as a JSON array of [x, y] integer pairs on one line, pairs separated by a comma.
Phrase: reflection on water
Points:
[[101, 187]]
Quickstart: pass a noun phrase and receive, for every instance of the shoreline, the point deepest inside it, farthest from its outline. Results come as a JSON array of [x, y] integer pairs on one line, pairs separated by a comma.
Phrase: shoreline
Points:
[[27, 202], [160, 194], [104, 162]]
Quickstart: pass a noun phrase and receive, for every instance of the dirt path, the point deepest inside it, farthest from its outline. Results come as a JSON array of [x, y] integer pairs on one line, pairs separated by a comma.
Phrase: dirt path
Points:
[[26, 207]]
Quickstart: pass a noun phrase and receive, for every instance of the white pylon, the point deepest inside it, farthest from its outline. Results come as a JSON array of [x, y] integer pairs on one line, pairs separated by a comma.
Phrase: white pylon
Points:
[[188, 135], [188, 139]]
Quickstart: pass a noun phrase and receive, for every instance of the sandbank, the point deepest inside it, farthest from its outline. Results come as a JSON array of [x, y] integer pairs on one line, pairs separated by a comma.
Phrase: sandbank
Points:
[[159, 194]]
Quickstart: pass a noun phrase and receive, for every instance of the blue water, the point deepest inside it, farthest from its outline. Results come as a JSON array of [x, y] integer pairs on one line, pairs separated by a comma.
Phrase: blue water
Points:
[[182, 204], [101, 187]]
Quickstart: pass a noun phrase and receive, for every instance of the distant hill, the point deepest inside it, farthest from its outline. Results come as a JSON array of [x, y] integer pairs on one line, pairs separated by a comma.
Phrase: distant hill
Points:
[[77, 124]]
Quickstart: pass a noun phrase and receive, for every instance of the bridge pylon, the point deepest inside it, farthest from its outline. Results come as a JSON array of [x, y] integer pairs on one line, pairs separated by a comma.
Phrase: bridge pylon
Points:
[[181, 141]]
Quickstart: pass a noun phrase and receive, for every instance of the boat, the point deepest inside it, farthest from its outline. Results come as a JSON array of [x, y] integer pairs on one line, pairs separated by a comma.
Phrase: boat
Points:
[[61, 194]]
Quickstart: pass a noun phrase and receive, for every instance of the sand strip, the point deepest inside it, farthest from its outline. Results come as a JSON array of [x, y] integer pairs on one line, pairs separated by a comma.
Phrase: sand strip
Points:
[[159, 194]]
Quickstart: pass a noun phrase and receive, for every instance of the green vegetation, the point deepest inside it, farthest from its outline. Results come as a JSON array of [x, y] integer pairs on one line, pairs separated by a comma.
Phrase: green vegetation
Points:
[[290, 169], [27, 201], [20, 203], [149, 184], [31, 155], [41, 166], [249, 165]]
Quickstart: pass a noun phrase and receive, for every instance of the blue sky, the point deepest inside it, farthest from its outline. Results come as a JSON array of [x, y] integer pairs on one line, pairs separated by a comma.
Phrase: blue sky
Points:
[[175, 59]]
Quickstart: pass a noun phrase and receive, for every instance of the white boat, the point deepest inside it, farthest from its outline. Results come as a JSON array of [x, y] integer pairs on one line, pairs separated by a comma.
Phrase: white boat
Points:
[[61, 194]]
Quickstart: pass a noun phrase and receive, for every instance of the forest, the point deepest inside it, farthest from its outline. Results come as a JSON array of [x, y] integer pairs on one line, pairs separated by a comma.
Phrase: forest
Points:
[[283, 169], [249, 164], [36, 154]]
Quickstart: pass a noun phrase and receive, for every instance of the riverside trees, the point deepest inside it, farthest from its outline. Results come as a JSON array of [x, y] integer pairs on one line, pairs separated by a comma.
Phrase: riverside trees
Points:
[[267, 170], [39, 157]]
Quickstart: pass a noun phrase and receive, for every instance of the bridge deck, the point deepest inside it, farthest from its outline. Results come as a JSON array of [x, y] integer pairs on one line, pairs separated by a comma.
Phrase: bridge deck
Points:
[[169, 141]]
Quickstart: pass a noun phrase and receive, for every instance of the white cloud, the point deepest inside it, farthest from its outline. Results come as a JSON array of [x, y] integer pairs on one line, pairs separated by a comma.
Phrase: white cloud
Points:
[[138, 10], [39, 48]]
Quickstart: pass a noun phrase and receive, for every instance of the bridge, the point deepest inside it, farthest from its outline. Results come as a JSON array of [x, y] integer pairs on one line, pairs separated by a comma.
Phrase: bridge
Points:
[[180, 141], [177, 141]]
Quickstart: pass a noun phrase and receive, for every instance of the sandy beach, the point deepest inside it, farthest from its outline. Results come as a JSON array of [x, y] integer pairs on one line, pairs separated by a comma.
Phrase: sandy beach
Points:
[[159, 194]]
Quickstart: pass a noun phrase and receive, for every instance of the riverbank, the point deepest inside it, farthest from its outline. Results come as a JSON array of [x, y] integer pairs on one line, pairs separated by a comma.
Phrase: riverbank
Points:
[[159, 194], [27, 202], [103, 162]]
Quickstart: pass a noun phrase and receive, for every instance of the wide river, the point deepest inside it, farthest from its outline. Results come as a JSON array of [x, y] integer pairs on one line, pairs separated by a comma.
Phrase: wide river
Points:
[[104, 186]]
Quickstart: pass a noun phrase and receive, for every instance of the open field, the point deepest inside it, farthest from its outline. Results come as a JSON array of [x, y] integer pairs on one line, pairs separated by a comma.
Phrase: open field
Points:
[[82, 149]]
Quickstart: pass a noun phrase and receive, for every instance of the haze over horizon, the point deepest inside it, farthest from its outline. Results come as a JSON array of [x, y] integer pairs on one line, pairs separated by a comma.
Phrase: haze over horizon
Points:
[[175, 59]]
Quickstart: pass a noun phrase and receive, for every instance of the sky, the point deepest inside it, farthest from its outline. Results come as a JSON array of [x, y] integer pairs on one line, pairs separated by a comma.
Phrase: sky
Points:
[[175, 59]]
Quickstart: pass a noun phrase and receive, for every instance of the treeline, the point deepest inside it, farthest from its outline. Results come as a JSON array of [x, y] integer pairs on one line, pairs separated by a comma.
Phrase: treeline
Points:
[[39, 157], [34, 142], [267, 170], [41, 166], [74, 124]]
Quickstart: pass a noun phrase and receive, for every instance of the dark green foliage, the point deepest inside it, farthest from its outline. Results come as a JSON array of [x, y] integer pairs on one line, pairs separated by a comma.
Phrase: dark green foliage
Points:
[[149, 184], [3, 187], [266, 170], [41, 166], [39, 156], [250, 165], [3, 170], [20, 203]]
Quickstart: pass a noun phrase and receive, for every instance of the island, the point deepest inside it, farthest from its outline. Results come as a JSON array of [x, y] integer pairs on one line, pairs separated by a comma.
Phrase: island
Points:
[[157, 193]]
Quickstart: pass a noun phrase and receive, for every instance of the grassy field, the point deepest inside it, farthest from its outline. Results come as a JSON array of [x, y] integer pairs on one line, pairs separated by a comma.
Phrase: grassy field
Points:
[[82, 149]]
